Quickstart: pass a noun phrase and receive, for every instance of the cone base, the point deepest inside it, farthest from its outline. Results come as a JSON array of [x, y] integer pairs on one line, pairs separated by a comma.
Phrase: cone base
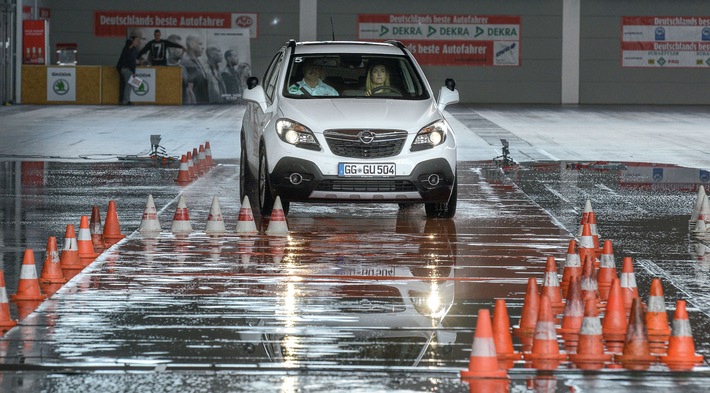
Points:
[[8, 324], [636, 362], [681, 361], [52, 280], [20, 298]]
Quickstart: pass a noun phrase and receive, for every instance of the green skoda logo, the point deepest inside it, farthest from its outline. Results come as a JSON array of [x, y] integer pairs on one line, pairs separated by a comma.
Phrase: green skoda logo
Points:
[[142, 90], [61, 87]]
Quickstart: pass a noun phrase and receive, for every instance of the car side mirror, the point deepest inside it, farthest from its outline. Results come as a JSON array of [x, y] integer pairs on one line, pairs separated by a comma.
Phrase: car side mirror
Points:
[[448, 94], [255, 94], [252, 82]]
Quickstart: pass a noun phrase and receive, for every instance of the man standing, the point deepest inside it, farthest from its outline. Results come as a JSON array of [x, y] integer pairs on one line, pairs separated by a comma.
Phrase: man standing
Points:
[[215, 82], [232, 83], [157, 49], [126, 67], [196, 90]]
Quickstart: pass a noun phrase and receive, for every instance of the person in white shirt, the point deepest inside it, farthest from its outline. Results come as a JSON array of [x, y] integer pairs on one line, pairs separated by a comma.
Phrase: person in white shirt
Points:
[[311, 84]]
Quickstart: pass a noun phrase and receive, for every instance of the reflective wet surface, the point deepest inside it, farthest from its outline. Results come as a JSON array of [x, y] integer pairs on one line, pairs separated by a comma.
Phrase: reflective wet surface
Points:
[[355, 298]]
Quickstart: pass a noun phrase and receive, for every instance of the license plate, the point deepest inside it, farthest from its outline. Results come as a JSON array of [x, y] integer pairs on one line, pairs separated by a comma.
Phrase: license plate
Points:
[[352, 169]]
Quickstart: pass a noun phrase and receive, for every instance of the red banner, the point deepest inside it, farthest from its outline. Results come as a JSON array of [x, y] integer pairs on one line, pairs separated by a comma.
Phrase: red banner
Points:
[[34, 41]]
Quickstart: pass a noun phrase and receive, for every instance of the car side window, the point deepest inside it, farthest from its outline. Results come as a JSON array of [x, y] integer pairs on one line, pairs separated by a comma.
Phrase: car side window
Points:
[[272, 74]]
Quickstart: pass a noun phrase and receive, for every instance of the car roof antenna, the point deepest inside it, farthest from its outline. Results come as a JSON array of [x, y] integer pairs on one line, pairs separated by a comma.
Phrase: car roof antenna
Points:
[[332, 30]]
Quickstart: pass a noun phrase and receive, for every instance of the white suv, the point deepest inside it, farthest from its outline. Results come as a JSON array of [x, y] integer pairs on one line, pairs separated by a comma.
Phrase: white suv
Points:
[[350, 136]]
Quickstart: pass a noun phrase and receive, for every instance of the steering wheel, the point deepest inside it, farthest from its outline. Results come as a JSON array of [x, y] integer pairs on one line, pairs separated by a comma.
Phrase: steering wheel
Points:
[[386, 90]]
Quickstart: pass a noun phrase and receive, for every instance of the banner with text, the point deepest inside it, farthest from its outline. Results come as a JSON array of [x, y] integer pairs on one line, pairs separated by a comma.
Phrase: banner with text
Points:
[[665, 41], [115, 23], [61, 84], [466, 40]]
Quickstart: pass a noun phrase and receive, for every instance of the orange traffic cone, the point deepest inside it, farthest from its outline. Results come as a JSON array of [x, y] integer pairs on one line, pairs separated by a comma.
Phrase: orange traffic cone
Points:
[[588, 282], [70, 253], [528, 316], [203, 159], [277, 223], [657, 319], [681, 348], [614, 323], [181, 219], [629, 289], [96, 229], [607, 270], [592, 220], [590, 349], [245, 223], [28, 286], [208, 155], [585, 216], [586, 243], [483, 362], [545, 353], [573, 315], [636, 355], [52, 268], [197, 167], [84, 243], [551, 286], [191, 166], [215, 223], [502, 337], [150, 224], [573, 266], [112, 230], [184, 177], [6, 321]]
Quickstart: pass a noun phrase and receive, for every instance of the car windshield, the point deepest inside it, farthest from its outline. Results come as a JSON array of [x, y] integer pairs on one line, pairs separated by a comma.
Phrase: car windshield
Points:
[[353, 75]]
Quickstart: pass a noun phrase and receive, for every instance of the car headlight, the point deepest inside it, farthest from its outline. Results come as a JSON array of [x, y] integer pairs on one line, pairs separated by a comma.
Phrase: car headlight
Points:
[[432, 135], [296, 134]]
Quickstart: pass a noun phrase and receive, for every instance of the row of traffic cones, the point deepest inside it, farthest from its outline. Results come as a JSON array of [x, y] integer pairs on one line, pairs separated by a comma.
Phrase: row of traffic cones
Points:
[[215, 226], [194, 164]]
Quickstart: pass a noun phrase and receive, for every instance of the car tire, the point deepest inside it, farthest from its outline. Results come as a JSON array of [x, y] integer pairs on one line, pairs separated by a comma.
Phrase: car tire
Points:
[[443, 210], [246, 181], [266, 199]]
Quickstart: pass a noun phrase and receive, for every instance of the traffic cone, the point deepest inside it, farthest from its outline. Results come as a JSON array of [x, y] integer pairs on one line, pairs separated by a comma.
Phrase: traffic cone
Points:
[[700, 196], [590, 348], [112, 230], [208, 155], [277, 222], [196, 162], [629, 289], [245, 223], [657, 319], [573, 266], [592, 220], [181, 219], [69, 259], [573, 315], [483, 362], [184, 178], [586, 243], [545, 353], [607, 270], [681, 348], [501, 336], [528, 315], [551, 286], [704, 214], [215, 223], [203, 159], [52, 268], [700, 229], [481, 385], [84, 244], [191, 166], [28, 286], [150, 224], [614, 323], [585, 216], [588, 282], [6, 321], [636, 355], [96, 229]]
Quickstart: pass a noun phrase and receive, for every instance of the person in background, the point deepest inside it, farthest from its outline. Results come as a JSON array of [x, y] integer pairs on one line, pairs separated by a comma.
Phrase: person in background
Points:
[[311, 84], [216, 87], [196, 89], [126, 67], [175, 55], [157, 49], [232, 83]]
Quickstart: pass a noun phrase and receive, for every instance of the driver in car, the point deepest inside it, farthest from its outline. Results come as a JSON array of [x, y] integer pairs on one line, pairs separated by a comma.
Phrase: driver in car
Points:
[[311, 84], [378, 79]]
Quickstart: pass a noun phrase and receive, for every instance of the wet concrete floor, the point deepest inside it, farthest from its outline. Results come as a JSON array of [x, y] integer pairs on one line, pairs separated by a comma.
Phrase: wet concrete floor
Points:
[[356, 298]]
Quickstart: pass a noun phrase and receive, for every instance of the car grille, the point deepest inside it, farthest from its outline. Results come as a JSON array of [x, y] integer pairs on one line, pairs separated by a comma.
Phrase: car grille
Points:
[[348, 143], [365, 185]]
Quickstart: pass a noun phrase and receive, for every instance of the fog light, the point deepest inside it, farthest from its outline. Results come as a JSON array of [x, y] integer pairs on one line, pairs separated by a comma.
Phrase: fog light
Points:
[[433, 179], [295, 178]]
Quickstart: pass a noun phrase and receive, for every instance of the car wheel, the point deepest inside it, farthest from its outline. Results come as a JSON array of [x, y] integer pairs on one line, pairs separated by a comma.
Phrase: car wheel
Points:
[[245, 178], [266, 200], [443, 210]]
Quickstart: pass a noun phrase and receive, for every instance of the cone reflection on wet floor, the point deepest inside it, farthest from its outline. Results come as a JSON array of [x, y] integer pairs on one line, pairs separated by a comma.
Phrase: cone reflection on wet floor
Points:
[[245, 249], [586, 242], [590, 348], [573, 315], [483, 362], [501, 336], [636, 354], [551, 286], [215, 222], [657, 319], [528, 316], [26, 307], [52, 268], [614, 322], [572, 267], [96, 229], [277, 247], [629, 289], [607, 270], [545, 354], [592, 220], [112, 229], [681, 348], [487, 385], [245, 223], [197, 166], [203, 159], [6, 321], [28, 286], [700, 196]]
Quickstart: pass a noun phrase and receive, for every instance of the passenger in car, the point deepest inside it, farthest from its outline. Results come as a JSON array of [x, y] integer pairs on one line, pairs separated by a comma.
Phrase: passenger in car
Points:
[[377, 77], [311, 84]]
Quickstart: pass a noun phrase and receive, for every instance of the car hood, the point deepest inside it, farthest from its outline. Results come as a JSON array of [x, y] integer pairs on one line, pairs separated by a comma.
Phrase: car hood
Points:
[[323, 113]]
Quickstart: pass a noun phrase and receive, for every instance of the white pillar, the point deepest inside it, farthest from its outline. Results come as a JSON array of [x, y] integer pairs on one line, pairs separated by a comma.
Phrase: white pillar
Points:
[[308, 18], [571, 16]]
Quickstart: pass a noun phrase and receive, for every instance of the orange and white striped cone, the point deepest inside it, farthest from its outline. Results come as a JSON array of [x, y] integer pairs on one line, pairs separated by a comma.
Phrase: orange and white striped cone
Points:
[[181, 219], [208, 155], [681, 348], [592, 220], [502, 338], [191, 167], [588, 282], [657, 319], [545, 354], [551, 286], [96, 229], [84, 244], [700, 196], [28, 286], [704, 214], [277, 222], [573, 266], [197, 166], [184, 178], [528, 316], [483, 362], [203, 159], [52, 268], [112, 229], [629, 289], [245, 223], [69, 260], [614, 323], [586, 243], [6, 321], [590, 348], [150, 224], [636, 354], [607, 270], [585, 216], [215, 223], [573, 315]]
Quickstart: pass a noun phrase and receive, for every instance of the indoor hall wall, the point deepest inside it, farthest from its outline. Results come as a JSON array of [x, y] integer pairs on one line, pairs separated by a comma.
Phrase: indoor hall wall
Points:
[[604, 81]]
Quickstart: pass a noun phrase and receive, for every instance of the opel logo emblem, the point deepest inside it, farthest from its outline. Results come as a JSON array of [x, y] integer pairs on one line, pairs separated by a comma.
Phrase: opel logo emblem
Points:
[[366, 136]]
